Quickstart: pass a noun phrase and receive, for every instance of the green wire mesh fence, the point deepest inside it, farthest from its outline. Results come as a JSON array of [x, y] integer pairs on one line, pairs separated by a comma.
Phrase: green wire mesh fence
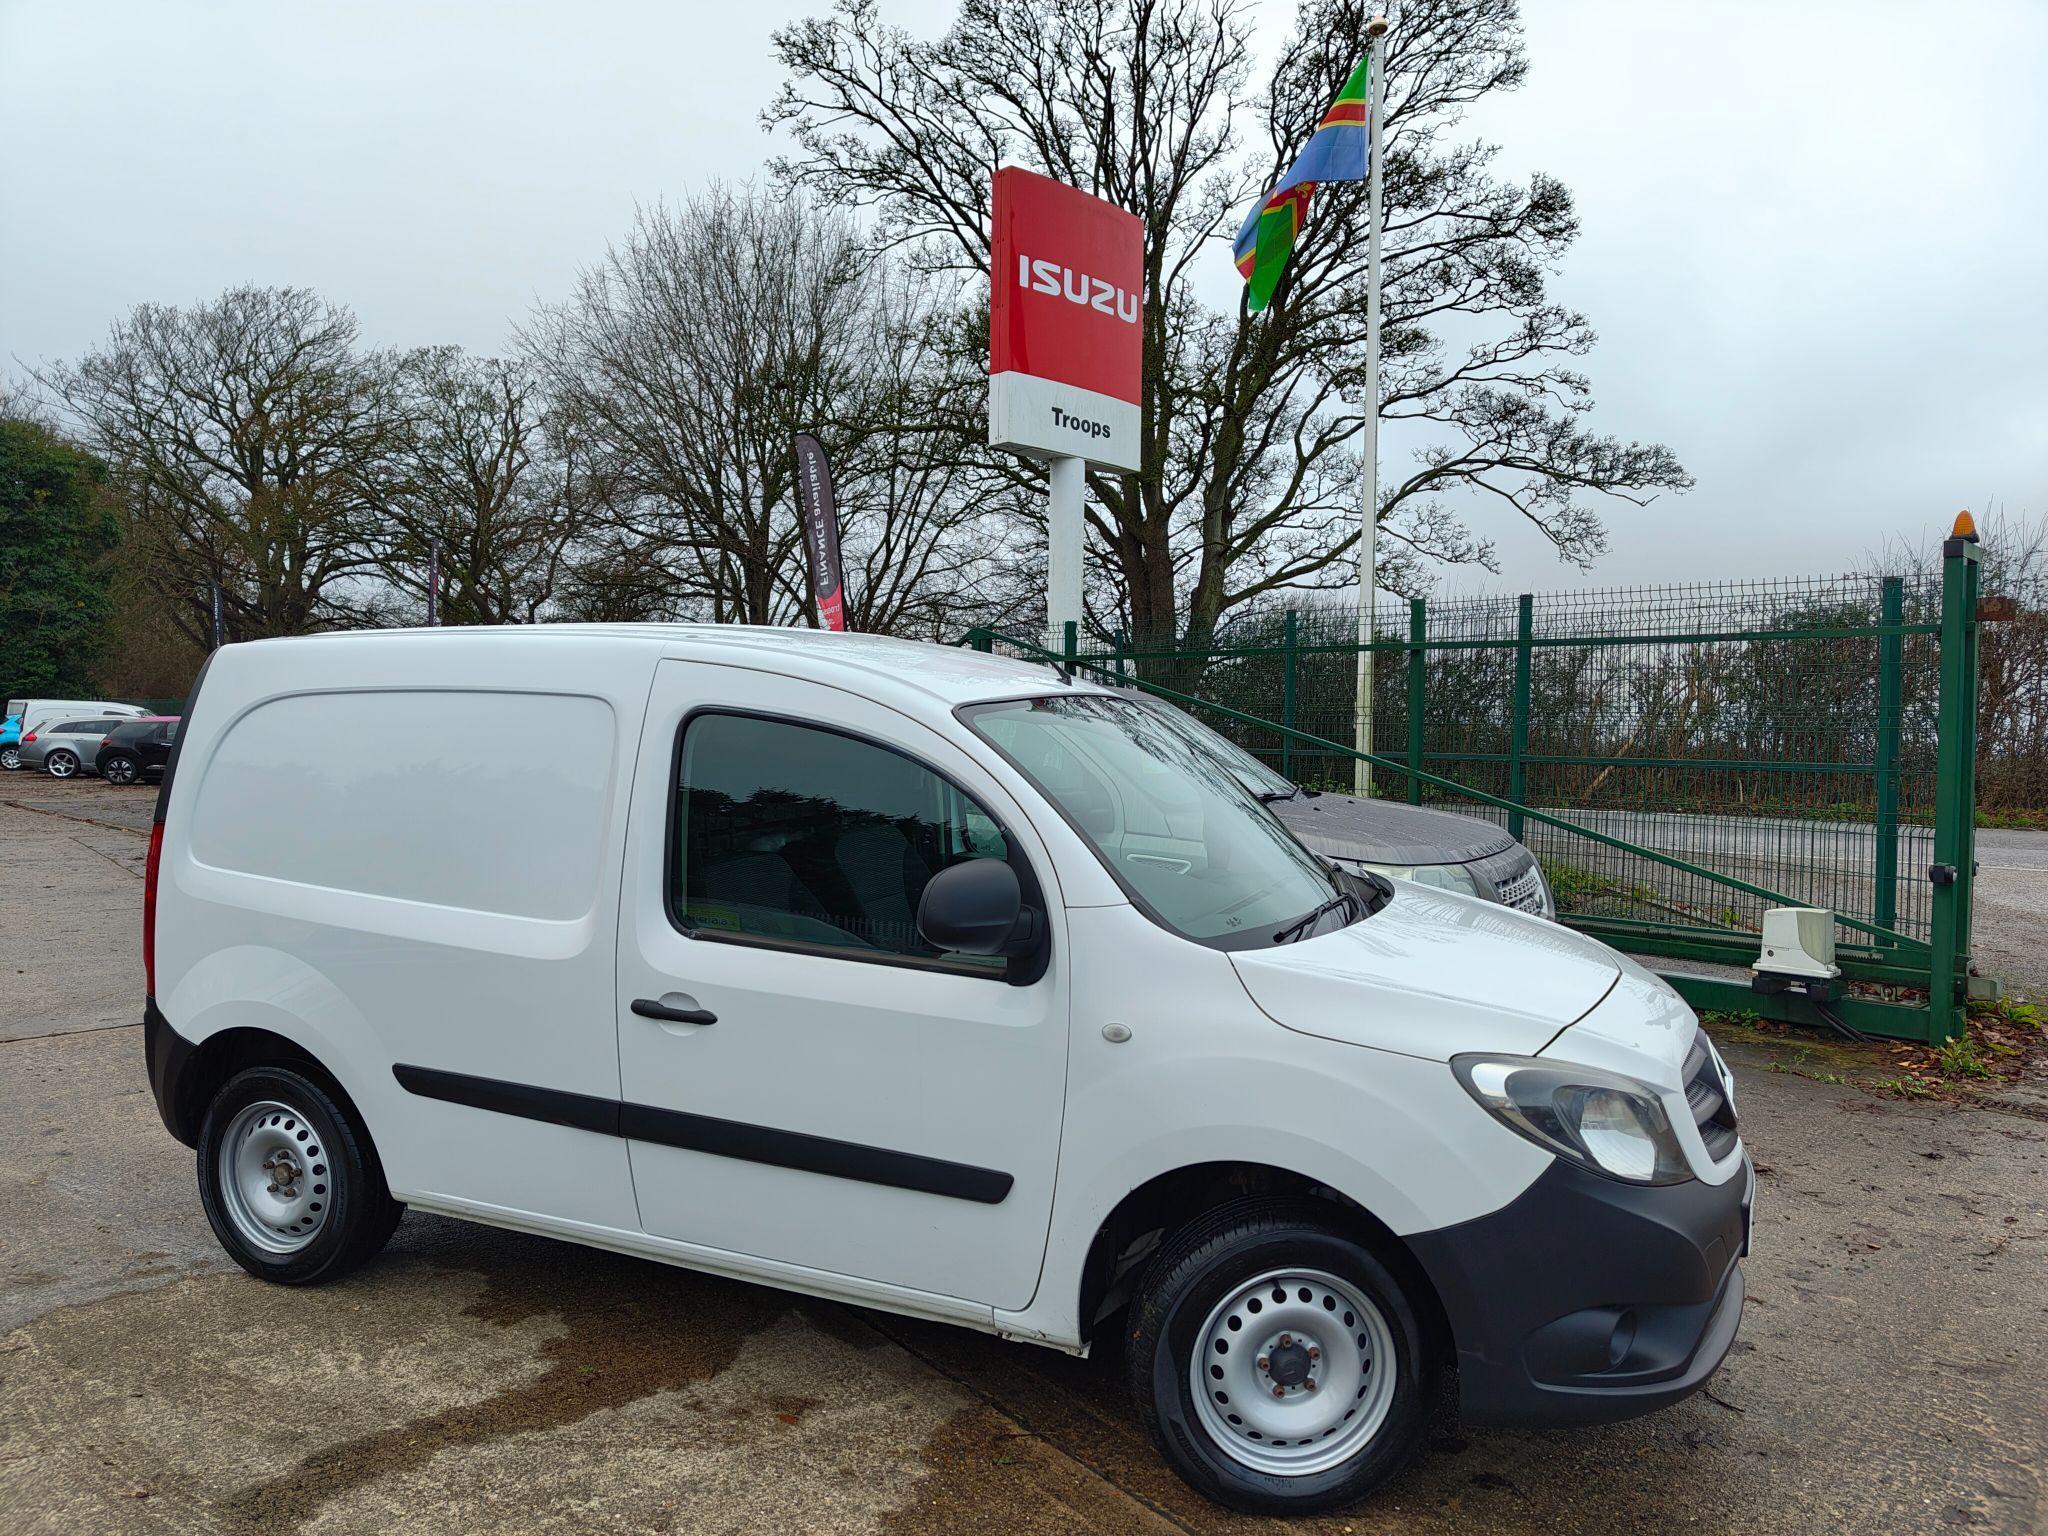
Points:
[[1737, 726]]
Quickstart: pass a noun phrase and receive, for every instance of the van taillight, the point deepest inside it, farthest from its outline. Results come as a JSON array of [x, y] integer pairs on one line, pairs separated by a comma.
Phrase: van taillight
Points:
[[156, 856]]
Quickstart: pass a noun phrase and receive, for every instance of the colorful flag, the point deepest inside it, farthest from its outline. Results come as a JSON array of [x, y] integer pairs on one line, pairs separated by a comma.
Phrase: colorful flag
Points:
[[1338, 151]]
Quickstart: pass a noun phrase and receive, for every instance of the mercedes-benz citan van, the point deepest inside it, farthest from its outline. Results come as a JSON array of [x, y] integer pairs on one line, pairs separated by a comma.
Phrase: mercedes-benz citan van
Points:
[[934, 982]]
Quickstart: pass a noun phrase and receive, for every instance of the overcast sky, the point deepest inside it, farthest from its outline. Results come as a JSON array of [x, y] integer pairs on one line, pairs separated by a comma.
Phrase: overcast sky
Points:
[[1816, 242]]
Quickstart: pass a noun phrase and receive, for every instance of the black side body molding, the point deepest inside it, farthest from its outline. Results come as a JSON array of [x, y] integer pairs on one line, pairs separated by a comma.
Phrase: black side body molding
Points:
[[578, 1111], [719, 1138]]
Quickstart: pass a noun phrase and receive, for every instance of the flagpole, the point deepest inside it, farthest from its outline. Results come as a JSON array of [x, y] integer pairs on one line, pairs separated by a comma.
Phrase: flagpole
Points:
[[1369, 447]]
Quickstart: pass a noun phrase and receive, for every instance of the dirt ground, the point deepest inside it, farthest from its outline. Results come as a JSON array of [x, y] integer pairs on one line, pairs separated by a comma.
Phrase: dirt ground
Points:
[[1891, 1375]]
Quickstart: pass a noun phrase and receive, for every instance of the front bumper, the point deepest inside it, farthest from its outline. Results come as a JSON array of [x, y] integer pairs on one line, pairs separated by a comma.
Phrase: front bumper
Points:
[[1586, 1300]]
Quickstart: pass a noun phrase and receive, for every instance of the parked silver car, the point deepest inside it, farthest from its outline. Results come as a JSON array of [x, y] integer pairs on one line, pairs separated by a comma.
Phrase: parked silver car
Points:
[[64, 748], [1388, 837]]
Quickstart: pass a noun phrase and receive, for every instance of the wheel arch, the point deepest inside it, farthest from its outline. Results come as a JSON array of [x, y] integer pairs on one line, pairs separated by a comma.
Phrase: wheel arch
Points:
[[1145, 1219], [208, 1065]]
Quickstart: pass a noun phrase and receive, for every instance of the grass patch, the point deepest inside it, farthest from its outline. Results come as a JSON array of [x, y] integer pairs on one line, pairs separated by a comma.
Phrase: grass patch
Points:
[[2010, 1011], [1573, 885], [1961, 1058], [1746, 1018]]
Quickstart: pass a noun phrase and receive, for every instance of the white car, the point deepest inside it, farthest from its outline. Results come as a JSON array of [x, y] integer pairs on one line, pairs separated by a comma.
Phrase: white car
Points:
[[927, 981]]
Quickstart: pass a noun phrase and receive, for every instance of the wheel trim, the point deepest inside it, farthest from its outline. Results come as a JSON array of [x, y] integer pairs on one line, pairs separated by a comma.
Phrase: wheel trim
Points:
[[119, 771], [275, 1182], [1316, 1420]]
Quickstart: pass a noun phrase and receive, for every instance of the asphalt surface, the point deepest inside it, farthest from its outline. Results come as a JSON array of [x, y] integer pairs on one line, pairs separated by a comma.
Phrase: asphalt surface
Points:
[[1891, 1375]]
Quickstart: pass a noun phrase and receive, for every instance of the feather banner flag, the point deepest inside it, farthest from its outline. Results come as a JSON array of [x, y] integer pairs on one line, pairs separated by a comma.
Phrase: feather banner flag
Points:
[[1339, 150]]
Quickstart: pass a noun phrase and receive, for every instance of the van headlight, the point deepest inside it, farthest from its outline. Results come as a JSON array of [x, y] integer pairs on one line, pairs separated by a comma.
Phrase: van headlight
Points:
[[1445, 877], [1611, 1124]]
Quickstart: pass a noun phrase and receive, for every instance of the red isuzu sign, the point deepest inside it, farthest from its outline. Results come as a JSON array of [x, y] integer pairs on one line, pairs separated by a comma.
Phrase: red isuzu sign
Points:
[[1065, 346]]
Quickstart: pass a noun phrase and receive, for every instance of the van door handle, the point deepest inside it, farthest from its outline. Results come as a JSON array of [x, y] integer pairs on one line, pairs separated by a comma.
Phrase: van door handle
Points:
[[648, 1008]]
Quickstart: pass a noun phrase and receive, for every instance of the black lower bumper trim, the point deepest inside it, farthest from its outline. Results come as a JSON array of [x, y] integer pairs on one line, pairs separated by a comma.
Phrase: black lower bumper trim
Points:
[[1586, 1300], [167, 1053]]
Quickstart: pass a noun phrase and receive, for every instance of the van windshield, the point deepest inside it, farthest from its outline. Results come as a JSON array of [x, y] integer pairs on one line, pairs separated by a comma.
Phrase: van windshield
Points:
[[1177, 827], [1253, 774]]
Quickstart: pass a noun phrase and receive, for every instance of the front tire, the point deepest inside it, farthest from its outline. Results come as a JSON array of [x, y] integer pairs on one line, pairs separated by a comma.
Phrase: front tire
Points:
[[1277, 1362], [61, 765], [290, 1182]]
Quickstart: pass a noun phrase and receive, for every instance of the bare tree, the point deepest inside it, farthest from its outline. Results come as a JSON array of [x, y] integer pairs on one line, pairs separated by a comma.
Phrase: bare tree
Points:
[[1249, 422], [474, 471], [685, 363], [250, 439], [929, 534]]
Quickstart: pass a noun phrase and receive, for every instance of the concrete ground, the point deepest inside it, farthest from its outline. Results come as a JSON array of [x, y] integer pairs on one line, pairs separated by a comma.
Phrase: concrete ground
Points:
[[2009, 936], [1891, 1376]]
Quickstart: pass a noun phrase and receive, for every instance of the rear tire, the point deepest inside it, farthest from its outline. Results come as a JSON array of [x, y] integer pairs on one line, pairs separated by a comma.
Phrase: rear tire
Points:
[[118, 768], [10, 758], [1270, 1299], [61, 765], [290, 1181]]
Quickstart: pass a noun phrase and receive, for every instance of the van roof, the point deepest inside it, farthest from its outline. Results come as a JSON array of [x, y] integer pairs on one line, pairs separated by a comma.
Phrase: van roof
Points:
[[950, 674]]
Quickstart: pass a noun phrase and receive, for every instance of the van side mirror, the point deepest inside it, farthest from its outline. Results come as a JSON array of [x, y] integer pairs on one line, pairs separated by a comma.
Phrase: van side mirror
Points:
[[977, 908]]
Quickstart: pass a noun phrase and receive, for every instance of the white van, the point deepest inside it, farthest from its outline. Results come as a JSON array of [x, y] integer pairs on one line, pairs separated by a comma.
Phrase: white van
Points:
[[934, 982]]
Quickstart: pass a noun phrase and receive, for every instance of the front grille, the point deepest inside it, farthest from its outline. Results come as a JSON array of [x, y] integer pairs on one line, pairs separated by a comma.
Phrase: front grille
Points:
[[1523, 892], [1707, 1093]]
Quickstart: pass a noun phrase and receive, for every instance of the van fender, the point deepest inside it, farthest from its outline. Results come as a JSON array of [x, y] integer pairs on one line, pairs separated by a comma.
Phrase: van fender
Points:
[[256, 987], [1394, 1135]]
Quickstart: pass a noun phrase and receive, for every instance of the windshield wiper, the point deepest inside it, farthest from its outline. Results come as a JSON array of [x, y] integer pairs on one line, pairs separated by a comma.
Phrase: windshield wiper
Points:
[[1268, 796], [1302, 925]]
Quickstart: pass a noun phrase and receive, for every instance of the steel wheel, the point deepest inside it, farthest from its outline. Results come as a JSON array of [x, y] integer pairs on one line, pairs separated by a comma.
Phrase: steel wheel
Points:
[[273, 1177], [61, 765], [1295, 1371], [118, 770]]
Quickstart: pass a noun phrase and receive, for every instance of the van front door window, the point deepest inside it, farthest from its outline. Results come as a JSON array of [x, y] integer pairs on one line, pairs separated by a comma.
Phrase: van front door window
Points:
[[790, 833]]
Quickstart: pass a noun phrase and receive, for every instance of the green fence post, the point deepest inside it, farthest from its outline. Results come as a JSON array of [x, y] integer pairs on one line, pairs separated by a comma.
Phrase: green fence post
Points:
[[983, 640], [1418, 635], [1518, 773], [1123, 643], [1966, 860], [1070, 644], [1891, 671], [1953, 840], [1288, 694]]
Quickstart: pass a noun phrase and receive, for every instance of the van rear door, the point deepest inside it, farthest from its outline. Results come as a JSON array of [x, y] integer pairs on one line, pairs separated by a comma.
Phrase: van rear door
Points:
[[805, 1081]]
